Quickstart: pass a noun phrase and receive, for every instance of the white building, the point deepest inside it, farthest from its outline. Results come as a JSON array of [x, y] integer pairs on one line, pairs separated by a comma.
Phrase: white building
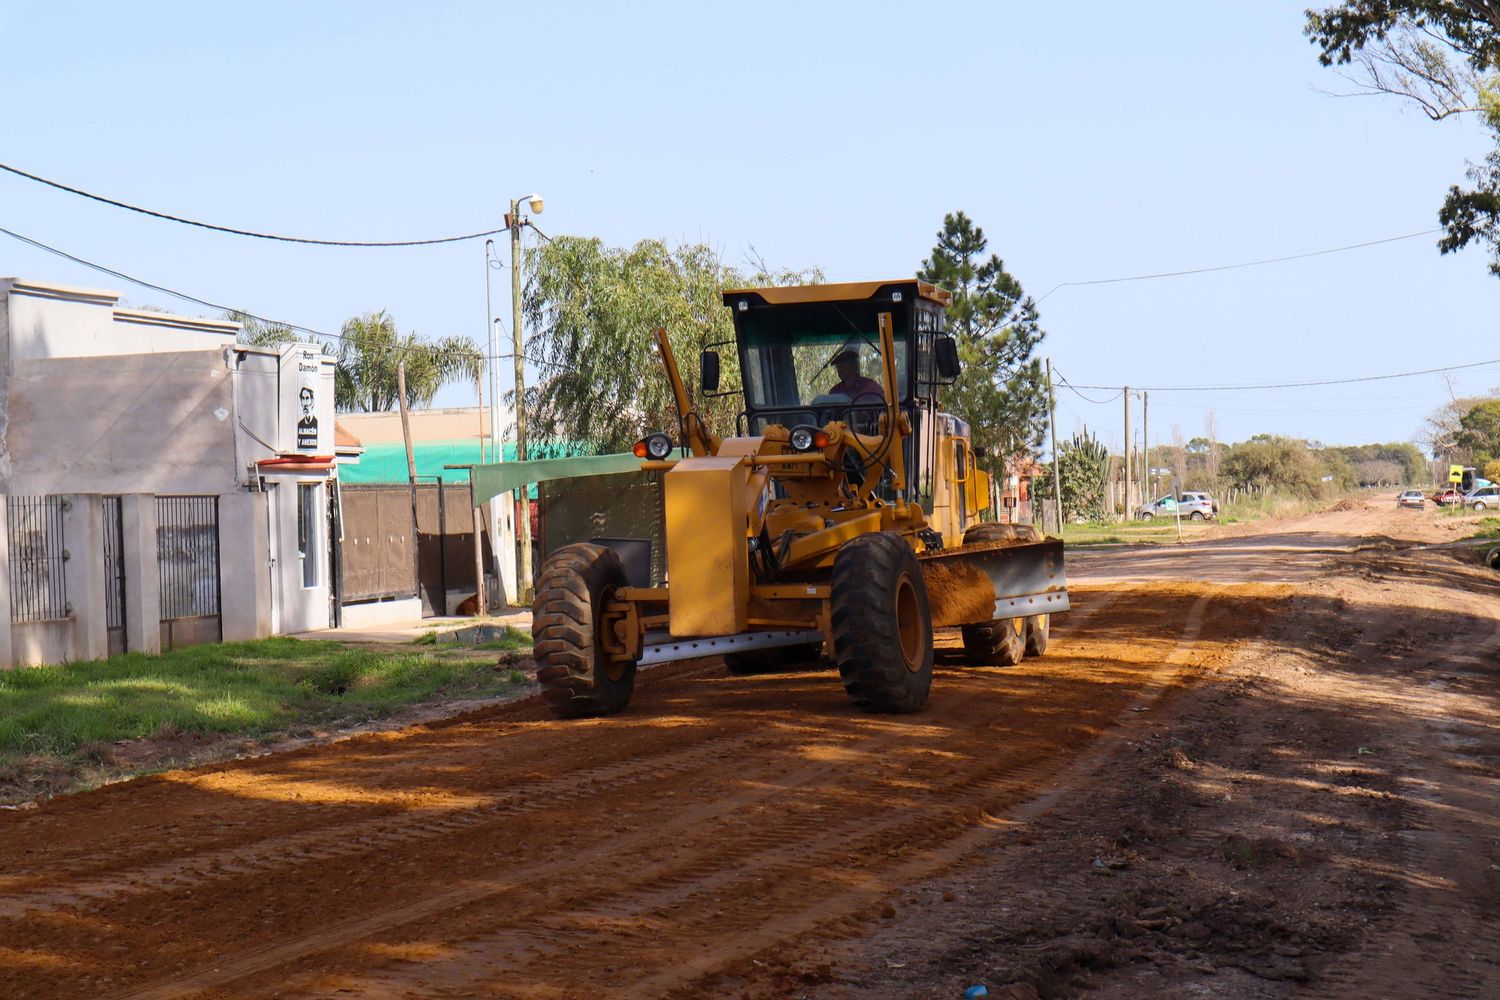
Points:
[[162, 484]]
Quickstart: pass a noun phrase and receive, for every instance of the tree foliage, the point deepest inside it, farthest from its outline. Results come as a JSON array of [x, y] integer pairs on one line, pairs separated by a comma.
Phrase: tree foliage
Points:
[[1002, 391], [1479, 432], [1444, 55], [371, 348], [1444, 433], [592, 308], [1083, 467], [1269, 461], [368, 351], [258, 332]]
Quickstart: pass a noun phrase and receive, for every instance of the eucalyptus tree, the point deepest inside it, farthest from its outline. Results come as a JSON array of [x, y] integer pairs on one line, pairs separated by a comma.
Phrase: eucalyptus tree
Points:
[[1443, 56], [591, 309]]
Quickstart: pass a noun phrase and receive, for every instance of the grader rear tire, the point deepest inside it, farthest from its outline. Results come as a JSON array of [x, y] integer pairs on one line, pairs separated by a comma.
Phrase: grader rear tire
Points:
[[990, 531], [881, 623], [1038, 633], [577, 681], [999, 643]]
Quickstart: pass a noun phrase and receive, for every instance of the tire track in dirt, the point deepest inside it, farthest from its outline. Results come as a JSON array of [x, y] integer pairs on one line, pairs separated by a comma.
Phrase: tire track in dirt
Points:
[[264, 856], [778, 782], [666, 885], [781, 865]]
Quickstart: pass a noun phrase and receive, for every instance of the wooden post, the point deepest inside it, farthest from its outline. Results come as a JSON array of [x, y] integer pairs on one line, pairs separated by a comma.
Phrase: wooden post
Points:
[[1129, 511], [411, 472], [1056, 461], [483, 606]]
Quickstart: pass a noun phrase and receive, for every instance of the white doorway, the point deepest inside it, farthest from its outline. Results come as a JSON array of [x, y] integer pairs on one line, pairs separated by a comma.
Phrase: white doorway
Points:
[[300, 547]]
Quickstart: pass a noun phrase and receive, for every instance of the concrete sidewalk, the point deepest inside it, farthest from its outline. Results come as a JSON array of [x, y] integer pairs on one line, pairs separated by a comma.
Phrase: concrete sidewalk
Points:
[[410, 631]]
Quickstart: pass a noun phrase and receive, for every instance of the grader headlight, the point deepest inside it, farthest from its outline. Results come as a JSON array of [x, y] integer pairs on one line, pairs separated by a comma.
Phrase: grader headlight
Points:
[[805, 437], [656, 447]]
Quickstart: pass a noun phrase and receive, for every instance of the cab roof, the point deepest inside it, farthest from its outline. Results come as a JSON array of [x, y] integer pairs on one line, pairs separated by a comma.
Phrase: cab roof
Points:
[[847, 291]]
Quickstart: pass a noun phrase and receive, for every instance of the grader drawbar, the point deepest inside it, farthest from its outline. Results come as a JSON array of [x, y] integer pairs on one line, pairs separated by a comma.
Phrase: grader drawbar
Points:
[[843, 519]]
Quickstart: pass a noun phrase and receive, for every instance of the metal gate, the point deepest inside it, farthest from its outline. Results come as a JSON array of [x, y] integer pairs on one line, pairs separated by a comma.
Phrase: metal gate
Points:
[[376, 548], [187, 554], [114, 575]]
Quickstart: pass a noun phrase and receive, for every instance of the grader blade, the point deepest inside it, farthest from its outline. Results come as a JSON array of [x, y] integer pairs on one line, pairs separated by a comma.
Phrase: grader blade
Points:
[[989, 580]]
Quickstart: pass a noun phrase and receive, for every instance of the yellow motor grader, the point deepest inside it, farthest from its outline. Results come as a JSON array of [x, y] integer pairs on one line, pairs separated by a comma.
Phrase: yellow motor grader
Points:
[[843, 515]]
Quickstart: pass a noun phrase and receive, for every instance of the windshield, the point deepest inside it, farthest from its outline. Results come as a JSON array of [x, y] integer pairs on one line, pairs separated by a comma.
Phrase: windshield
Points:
[[816, 359]]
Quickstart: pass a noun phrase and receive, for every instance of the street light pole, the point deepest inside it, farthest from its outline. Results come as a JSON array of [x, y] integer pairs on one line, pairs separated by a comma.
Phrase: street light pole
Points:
[[514, 222]]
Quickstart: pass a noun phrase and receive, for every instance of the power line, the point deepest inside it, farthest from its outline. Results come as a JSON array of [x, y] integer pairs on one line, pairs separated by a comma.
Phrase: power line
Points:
[[1241, 264], [296, 327], [1305, 384], [245, 232], [1087, 399]]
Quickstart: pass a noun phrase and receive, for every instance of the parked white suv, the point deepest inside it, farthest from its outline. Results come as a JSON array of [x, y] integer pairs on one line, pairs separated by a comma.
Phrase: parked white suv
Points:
[[1194, 506], [1484, 498]]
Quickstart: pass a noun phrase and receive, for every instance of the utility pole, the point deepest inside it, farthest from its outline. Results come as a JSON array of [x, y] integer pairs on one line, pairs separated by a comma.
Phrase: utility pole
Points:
[[523, 585], [500, 511], [1129, 507], [1150, 490], [1056, 463], [411, 464]]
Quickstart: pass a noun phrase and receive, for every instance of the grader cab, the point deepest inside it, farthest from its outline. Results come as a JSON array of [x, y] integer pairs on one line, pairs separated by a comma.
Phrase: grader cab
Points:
[[841, 519]]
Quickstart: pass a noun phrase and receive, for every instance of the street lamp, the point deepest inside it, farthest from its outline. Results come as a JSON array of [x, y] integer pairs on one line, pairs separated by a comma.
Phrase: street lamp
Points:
[[514, 222]]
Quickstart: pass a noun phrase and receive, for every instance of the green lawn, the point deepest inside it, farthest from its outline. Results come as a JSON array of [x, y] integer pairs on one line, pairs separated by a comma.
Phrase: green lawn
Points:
[[62, 716]]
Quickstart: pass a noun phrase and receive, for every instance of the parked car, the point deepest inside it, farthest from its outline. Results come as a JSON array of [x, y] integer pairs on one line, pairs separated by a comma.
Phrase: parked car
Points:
[[1484, 498], [1448, 497], [1411, 498], [1194, 506]]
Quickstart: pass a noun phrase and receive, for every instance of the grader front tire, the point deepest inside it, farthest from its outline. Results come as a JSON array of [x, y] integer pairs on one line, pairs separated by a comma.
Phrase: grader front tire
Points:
[[881, 623], [575, 583]]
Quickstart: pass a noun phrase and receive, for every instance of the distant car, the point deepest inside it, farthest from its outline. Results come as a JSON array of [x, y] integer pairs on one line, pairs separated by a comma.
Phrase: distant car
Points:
[[1194, 506], [1484, 498], [1448, 498], [1411, 498]]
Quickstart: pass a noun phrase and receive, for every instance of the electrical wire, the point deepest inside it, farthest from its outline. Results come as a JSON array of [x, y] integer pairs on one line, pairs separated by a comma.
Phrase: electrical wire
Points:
[[1304, 384], [247, 232], [1237, 266], [1087, 399], [432, 350]]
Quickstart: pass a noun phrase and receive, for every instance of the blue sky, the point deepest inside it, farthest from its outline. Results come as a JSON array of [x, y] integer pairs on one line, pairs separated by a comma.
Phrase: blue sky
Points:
[[1115, 140]]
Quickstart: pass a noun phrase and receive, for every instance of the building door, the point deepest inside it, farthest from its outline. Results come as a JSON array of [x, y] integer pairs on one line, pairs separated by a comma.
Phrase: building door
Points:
[[302, 592]]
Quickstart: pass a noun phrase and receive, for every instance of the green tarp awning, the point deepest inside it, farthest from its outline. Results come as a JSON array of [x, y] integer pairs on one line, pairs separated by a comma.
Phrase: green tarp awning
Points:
[[502, 477]]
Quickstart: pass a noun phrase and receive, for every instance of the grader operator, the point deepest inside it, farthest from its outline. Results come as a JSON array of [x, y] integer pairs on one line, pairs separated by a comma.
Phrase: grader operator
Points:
[[843, 515]]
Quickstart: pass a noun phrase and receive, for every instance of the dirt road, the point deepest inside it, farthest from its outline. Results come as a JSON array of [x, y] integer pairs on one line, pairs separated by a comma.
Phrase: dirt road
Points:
[[755, 836]]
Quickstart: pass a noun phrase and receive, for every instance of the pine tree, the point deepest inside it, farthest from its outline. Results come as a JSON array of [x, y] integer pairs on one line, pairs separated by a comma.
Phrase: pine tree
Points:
[[1001, 392]]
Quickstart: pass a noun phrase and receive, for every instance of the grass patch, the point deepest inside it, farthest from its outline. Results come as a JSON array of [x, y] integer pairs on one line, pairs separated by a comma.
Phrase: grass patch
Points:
[[66, 712], [508, 639], [1487, 528], [1120, 532]]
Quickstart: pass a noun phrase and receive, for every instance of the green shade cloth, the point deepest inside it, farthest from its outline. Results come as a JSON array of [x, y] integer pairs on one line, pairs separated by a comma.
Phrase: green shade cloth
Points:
[[502, 477], [386, 463]]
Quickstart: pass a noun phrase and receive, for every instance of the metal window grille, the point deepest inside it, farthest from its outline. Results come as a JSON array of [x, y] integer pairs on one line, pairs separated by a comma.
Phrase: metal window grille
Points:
[[38, 584], [187, 553], [114, 564]]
